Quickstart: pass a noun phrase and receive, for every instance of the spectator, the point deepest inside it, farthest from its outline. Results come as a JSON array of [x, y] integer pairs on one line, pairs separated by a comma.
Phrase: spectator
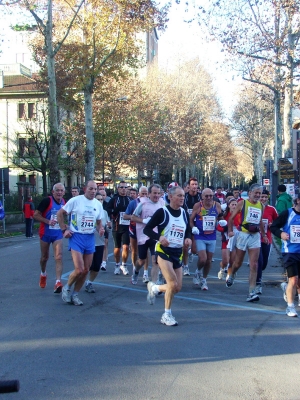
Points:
[[284, 200], [28, 210]]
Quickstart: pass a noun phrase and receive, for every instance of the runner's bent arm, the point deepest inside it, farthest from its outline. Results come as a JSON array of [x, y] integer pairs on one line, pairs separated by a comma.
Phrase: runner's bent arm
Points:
[[237, 209]]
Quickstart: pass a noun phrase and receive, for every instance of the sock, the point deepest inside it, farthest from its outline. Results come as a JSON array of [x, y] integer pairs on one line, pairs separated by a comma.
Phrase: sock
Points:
[[168, 311], [123, 264], [185, 266], [57, 281], [87, 282], [145, 273], [43, 274], [290, 304], [104, 263], [67, 287], [117, 264]]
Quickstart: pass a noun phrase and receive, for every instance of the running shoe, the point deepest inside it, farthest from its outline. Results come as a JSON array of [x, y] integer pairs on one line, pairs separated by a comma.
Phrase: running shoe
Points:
[[58, 287], [43, 281], [258, 289], [283, 288], [221, 274], [117, 270], [89, 288], [66, 295], [151, 294], [76, 300], [124, 269], [186, 271], [160, 279], [291, 311], [253, 296], [103, 267], [145, 279], [134, 278], [203, 284], [230, 280], [168, 319], [197, 277]]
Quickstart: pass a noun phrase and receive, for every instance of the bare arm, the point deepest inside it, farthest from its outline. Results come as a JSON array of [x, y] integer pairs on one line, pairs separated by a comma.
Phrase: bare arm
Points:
[[232, 216]]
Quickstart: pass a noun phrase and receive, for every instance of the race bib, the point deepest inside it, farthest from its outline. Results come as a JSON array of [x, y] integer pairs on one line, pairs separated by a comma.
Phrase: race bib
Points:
[[295, 233], [266, 224], [123, 221], [54, 218], [86, 223], [253, 215], [176, 235], [209, 223]]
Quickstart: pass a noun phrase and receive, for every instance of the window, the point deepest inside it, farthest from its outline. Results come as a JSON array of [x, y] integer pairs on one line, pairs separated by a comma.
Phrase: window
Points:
[[21, 110], [26, 147], [31, 110], [22, 147]]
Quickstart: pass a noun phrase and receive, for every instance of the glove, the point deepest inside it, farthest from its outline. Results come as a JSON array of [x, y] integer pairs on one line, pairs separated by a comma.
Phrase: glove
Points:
[[195, 231], [146, 220], [222, 223]]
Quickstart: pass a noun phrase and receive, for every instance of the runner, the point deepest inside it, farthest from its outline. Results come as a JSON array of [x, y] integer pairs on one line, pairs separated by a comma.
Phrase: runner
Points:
[[143, 192], [191, 198], [142, 214], [203, 221], [102, 192], [86, 213], [120, 227], [50, 233], [99, 250], [269, 215], [248, 238], [173, 233]]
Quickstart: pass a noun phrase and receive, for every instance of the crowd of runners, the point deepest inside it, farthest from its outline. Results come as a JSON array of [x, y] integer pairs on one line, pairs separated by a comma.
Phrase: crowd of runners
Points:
[[168, 230]]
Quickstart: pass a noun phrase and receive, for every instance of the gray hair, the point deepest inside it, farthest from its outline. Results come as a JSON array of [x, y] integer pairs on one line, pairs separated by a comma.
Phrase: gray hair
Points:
[[255, 186], [58, 183], [172, 189], [156, 185], [141, 188]]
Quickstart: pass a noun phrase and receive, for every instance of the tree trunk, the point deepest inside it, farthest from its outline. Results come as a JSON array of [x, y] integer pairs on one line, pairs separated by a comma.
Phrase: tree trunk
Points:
[[55, 140], [89, 132]]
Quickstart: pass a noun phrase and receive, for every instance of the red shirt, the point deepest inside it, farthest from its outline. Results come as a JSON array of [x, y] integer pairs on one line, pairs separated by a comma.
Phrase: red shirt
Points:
[[269, 214]]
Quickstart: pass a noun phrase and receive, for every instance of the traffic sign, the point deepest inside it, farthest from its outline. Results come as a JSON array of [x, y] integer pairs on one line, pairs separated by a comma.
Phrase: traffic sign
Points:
[[266, 182]]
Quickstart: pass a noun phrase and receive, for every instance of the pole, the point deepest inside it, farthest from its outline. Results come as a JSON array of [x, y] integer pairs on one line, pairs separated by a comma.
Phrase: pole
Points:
[[3, 197]]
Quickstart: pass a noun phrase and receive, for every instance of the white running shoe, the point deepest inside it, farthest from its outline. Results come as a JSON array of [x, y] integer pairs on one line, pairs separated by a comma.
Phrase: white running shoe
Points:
[[186, 271], [258, 289], [203, 284], [117, 270], [134, 278], [197, 277], [221, 274], [66, 295], [291, 311], [124, 269], [168, 319], [145, 279], [283, 286], [151, 294], [76, 300]]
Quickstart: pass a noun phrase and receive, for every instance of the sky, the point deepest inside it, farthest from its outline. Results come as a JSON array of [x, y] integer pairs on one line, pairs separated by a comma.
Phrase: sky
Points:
[[181, 40], [187, 40]]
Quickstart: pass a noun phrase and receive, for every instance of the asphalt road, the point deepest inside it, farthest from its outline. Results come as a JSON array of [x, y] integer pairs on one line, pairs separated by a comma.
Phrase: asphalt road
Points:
[[114, 347]]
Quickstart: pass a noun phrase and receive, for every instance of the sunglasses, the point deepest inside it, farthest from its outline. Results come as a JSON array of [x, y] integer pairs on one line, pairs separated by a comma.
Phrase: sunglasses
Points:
[[122, 187]]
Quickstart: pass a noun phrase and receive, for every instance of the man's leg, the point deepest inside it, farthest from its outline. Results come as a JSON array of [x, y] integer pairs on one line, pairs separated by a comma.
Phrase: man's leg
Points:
[[134, 250], [155, 269], [202, 258], [57, 249], [238, 261], [43, 262], [253, 261], [86, 263]]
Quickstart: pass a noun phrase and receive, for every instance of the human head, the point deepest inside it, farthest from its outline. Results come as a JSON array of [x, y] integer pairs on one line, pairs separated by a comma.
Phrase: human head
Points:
[[297, 201], [193, 182], [143, 191], [133, 193], [58, 191], [154, 192], [207, 197], [281, 188], [99, 197], [29, 198], [122, 188], [236, 193], [90, 190], [231, 205], [255, 192], [186, 187], [176, 197], [100, 186], [264, 198], [75, 191], [219, 190], [103, 193]]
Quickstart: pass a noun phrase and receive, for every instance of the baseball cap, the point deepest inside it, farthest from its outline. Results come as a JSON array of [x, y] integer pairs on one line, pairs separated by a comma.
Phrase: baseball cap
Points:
[[172, 185]]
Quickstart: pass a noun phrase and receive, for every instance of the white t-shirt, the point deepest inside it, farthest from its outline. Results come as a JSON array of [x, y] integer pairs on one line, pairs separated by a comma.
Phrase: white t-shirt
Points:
[[83, 214]]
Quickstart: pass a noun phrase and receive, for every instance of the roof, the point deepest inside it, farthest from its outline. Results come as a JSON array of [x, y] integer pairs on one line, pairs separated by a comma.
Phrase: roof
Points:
[[20, 84]]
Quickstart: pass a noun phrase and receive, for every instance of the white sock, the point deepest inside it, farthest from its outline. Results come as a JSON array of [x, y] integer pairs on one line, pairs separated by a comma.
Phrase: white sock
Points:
[[290, 304], [155, 289], [145, 273], [43, 274], [168, 311], [104, 263]]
